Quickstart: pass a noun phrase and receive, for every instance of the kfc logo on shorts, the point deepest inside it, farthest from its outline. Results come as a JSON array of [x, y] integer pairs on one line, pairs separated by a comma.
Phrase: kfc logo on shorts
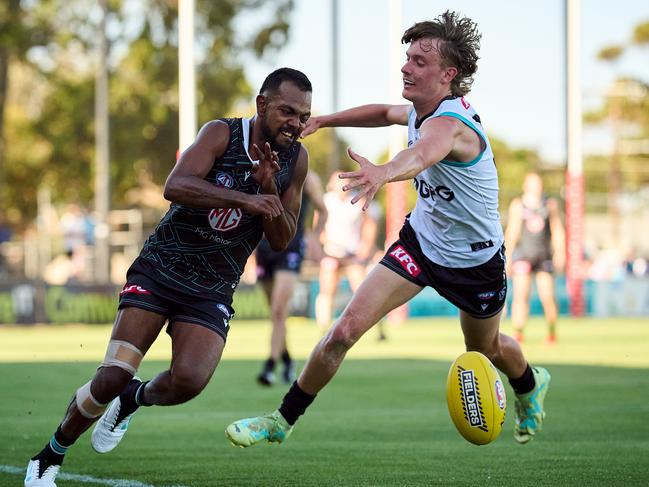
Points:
[[406, 261], [224, 180], [225, 218], [133, 289]]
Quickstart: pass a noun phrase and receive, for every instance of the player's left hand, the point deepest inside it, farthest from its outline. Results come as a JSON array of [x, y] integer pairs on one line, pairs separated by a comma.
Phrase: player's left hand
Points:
[[367, 180], [264, 171]]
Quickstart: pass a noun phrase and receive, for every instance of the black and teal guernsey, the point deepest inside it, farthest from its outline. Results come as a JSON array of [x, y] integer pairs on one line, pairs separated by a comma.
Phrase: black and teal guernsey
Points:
[[202, 252]]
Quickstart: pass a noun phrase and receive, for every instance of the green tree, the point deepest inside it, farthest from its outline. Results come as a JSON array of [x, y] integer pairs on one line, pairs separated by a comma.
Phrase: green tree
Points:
[[625, 110], [143, 89], [21, 29]]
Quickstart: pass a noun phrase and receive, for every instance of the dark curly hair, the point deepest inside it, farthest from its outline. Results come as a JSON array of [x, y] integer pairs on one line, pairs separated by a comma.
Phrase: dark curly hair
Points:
[[459, 46]]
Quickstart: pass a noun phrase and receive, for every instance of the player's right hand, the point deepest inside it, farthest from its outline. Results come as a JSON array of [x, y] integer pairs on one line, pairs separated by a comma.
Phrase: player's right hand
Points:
[[264, 204], [312, 125]]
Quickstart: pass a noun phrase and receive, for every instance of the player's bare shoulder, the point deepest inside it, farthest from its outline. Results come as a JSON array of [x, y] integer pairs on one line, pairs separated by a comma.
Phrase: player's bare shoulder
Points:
[[214, 135]]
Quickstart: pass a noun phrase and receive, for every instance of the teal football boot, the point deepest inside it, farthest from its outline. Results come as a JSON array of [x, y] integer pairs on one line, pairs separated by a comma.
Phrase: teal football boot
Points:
[[272, 428], [529, 407]]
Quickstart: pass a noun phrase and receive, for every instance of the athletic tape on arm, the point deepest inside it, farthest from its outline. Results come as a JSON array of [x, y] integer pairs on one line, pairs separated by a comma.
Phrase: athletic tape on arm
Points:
[[87, 405], [123, 355]]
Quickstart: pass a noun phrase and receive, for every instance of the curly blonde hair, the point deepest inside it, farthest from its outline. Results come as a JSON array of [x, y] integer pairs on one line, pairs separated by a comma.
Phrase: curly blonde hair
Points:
[[459, 46]]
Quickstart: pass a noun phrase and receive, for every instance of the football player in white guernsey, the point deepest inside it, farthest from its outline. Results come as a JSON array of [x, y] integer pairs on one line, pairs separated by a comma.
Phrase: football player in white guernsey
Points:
[[452, 241]]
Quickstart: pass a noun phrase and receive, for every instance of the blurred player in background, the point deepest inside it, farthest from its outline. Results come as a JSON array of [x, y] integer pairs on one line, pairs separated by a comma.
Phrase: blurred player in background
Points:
[[349, 243], [535, 243], [452, 240], [239, 180], [279, 271]]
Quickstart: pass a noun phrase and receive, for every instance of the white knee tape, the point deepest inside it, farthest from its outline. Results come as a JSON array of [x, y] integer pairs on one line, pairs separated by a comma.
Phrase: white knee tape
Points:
[[123, 355], [87, 405]]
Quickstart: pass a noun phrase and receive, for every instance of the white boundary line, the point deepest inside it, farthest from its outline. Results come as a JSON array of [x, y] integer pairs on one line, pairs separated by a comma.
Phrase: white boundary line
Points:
[[85, 478]]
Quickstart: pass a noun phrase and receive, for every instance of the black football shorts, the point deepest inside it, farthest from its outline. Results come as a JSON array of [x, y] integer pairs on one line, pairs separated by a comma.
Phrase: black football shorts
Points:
[[479, 291], [269, 262], [140, 291]]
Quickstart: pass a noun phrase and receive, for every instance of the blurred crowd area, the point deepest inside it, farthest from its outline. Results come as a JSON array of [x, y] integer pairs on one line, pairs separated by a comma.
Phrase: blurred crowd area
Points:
[[58, 247]]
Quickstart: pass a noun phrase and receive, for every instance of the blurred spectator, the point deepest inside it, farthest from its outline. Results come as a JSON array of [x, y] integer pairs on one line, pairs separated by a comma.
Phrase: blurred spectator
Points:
[[607, 265], [635, 265], [349, 243], [639, 267], [5, 236], [278, 273], [535, 244], [5, 230], [76, 228]]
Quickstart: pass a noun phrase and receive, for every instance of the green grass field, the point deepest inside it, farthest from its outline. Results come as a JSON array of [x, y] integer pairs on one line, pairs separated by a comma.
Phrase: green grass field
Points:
[[381, 422]]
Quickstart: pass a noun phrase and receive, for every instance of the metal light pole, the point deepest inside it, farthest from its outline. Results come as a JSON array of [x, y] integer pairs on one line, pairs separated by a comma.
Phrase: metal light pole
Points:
[[396, 192], [395, 208], [574, 173], [334, 161], [186, 74], [102, 156]]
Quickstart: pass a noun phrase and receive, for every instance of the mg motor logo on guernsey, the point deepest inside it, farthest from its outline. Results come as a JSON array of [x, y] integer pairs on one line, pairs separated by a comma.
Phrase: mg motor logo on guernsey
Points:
[[406, 261], [225, 218]]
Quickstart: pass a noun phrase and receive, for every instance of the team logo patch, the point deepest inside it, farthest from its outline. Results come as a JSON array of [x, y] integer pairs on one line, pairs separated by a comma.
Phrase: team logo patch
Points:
[[406, 261], [293, 260], [224, 180], [500, 394], [503, 292], [486, 295], [133, 289], [224, 309], [465, 103], [225, 218]]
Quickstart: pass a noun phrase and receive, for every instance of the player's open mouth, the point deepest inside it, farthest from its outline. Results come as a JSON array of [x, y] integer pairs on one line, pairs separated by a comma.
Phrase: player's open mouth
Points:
[[288, 135], [407, 83]]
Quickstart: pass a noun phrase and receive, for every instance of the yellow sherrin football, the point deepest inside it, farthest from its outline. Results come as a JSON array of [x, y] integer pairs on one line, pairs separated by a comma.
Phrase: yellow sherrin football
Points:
[[476, 398]]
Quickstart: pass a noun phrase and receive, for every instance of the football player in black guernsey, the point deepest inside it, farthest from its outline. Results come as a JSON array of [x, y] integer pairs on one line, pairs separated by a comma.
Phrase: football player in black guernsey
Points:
[[240, 180]]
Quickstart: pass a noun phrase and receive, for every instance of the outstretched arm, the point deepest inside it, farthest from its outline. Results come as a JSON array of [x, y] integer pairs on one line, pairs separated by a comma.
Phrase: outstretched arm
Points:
[[362, 116], [439, 138]]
